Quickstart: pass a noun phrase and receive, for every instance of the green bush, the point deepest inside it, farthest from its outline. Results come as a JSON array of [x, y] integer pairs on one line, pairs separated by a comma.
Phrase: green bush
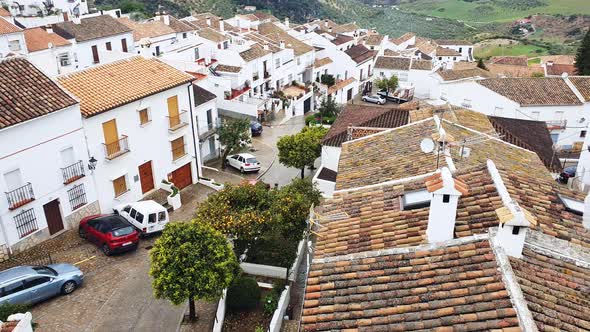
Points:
[[310, 118], [7, 309], [244, 294], [271, 302]]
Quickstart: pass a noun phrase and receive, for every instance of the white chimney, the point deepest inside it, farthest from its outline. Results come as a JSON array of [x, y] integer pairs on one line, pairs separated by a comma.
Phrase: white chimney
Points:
[[208, 21], [326, 23], [166, 19], [287, 22], [282, 44], [443, 205], [586, 218], [76, 19], [221, 25], [330, 29], [265, 46], [49, 28]]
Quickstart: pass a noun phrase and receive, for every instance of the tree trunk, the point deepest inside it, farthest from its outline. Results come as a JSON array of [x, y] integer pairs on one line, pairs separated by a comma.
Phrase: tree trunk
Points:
[[223, 156], [303, 172], [192, 315]]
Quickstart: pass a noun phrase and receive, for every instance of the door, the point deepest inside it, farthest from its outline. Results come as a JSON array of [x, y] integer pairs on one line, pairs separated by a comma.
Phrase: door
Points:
[[95, 58], [40, 288], [182, 177], [111, 137], [124, 45], [307, 105], [173, 111], [146, 177], [212, 146], [53, 216], [349, 94]]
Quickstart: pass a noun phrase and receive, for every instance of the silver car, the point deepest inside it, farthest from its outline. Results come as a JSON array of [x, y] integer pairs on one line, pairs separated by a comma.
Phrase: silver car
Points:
[[32, 284], [375, 99]]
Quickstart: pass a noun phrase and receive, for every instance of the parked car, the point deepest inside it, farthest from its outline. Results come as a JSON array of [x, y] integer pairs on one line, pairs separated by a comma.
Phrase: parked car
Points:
[[568, 172], [146, 216], [375, 99], [111, 233], [245, 162], [32, 284], [256, 128]]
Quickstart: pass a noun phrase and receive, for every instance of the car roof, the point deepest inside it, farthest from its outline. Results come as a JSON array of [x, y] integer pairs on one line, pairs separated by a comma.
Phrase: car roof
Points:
[[16, 272], [246, 155], [113, 220], [147, 206]]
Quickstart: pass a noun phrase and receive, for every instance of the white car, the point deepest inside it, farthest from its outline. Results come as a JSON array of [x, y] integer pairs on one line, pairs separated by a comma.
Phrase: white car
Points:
[[245, 162], [147, 216], [375, 99]]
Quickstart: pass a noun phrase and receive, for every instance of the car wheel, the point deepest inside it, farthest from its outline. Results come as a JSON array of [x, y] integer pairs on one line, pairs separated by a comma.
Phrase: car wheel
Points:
[[82, 232], [226, 162], [106, 249], [69, 287]]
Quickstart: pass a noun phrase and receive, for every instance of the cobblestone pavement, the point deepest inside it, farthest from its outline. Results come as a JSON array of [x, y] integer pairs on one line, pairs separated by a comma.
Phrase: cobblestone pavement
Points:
[[117, 294], [206, 317]]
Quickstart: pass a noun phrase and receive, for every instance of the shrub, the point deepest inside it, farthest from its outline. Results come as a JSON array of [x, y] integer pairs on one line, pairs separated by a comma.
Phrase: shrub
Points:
[[278, 286], [7, 309], [271, 302], [244, 294], [310, 118]]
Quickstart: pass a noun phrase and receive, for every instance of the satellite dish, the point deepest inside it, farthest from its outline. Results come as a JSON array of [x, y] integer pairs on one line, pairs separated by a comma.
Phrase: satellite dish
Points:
[[427, 145]]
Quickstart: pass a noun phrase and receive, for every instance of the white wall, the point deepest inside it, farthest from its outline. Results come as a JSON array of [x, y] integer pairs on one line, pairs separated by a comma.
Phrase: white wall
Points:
[[147, 142], [34, 147], [330, 157], [202, 127], [48, 60], [84, 49], [5, 39]]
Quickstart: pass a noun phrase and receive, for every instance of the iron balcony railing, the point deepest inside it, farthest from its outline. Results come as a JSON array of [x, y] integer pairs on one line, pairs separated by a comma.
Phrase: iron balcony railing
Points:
[[117, 148], [73, 172], [20, 196], [177, 121]]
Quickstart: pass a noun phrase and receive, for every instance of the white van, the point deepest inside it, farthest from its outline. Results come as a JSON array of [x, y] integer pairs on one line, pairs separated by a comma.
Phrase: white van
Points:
[[147, 216]]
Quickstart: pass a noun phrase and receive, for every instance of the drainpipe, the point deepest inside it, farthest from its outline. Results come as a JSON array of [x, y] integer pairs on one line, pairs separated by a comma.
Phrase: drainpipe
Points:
[[195, 143]]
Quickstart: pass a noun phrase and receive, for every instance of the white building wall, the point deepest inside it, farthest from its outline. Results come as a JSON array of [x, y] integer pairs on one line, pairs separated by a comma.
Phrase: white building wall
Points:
[[84, 49], [148, 142], [34, 147], [331, 156], [48, 60], [205, 132], [5, 40]]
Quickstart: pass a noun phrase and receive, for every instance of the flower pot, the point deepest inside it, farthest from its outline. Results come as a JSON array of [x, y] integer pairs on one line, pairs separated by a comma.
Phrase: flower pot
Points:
[[174, 201]]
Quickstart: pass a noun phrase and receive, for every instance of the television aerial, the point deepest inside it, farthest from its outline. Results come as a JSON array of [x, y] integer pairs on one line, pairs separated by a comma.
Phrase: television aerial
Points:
[[427, 145]]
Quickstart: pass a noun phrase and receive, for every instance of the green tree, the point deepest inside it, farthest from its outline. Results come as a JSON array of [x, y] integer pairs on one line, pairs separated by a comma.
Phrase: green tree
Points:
[[583, 56], [328, 107], [480, 64], [302, 149], [191, 261], [234, 135], [387, 84], [328, 80]]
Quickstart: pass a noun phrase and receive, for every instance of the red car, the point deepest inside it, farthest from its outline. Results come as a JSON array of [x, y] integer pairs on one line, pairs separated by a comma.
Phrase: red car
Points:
[[112, 233]]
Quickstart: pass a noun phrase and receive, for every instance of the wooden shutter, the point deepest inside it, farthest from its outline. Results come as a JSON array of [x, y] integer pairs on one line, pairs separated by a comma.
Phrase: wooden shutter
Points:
[[120, 186], [124, 45], [108, 46], [95, 58], [177, 148], [173, 111], [143, 116], [111, 137]]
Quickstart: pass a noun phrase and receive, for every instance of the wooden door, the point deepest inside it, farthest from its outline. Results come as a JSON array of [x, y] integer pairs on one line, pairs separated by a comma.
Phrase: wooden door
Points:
[[146, 177], [349, 94], [53, 216], [182, 177], [124, 45], [111, 137], [95, 58], [173, 111]]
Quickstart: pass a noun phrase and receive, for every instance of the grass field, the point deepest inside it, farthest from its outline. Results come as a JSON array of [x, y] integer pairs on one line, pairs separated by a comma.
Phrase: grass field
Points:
[[491, 11], [515, 49]]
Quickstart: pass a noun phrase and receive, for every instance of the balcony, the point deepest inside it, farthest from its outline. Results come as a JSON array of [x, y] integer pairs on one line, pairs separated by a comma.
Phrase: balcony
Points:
[[206, 132], [117, 148], [556, 124], [178, 152], [237, 92], [20, 196], [73, 172], [177, 122]]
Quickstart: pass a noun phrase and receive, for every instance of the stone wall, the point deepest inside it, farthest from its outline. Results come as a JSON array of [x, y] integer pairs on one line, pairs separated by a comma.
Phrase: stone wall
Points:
[[72, 221]]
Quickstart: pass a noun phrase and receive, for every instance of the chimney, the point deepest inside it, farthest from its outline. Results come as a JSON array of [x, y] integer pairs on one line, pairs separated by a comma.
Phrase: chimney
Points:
[[287, 22], [265, 46], [48, 28], [549, 63], [282, 44], [443, 205], [221, 25], [326, 23], [586, 218], [76, 19], [208, 21], [330, 29], [166, 18]]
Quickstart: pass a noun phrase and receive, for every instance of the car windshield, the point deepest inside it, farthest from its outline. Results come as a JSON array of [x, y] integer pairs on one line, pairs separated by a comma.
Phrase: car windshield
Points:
[[375, 96], [45, 270], [123, 231], [251, 160]]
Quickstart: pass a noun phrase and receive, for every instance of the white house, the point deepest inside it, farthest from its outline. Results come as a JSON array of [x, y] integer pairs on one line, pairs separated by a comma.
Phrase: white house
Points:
[[45, 181], [73, 8], [92, 35], [12, 39], [464, 48], [363, 57], [49, 51], [136, 115], [206, 122]]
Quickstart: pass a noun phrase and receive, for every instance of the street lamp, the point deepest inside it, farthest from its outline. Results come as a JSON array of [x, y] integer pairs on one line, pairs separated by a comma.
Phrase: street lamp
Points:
[[92, 163]]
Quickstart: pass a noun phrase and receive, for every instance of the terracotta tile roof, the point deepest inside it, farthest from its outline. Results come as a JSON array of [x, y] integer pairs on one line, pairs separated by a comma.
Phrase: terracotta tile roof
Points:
[[91, 28], [38, 39], [149, 29], [227, 68], [212, 35], [359, 53], [263, 16], [404, 38], [322, 62], [510, 60], [108, 86], [373, 39], [556, 291], [453, 75], [263, 40], [528, 134], [275, 33], [443, 51], [363, 116], [340, 85], [435, 182], [341, 39], [4, 12], [347, 27], [256, 51], [559, 69], [179, 25], [7, 27], [389, 52], [499, 70], [451, 288], [561, 59], [454, 42], [421, 65], [533, 91], [425, 45], [582, 84], [26, 93], [200, 21], [393, 63], [202, 95]]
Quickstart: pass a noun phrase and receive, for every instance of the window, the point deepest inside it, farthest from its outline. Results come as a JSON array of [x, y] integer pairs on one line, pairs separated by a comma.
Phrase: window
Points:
[[197, 55], [108, 46], [161, 216], [13, 179], [535, 115], [177, 146], [14, 45], [515, 230], [77, 196], [157, 50], [35, 281], [382, 74], [416, 199], [132, 213], [12, 288], [26, 223], [440, 58], [120, 186], [95, 58], [64, 59], [278, 63], [144, 116], [209, 119], [124, 45], [454, 58], [466, 103], [152, 218], [460, 49], [446, 198], [298, 61], [403, 76], [225, 45], [139, 217], [554, 137], [184, 35], [583, 133]]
